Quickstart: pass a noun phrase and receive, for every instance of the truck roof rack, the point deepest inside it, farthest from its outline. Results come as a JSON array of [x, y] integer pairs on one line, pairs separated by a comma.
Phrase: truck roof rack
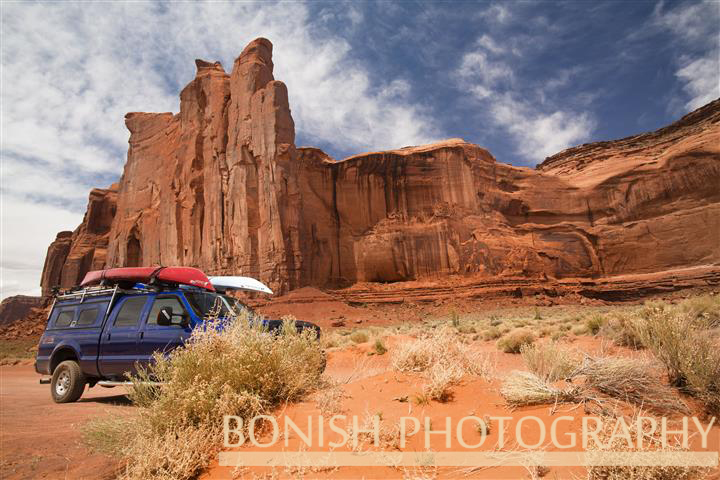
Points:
[[88, 292]]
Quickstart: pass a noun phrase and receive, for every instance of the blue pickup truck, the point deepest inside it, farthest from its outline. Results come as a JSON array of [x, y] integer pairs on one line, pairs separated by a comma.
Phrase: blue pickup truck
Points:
[[95, 336]]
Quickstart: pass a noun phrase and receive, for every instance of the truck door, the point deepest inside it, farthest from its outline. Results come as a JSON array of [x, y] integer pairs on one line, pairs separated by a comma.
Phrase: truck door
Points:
[[119, 344], [154, 337]]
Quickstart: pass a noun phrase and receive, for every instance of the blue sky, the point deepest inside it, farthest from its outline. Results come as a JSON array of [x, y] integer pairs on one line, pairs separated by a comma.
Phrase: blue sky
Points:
[[523, 79]]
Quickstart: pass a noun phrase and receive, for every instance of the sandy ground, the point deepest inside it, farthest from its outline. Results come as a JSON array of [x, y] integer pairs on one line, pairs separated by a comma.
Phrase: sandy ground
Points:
[[369, 386], [41, 439]]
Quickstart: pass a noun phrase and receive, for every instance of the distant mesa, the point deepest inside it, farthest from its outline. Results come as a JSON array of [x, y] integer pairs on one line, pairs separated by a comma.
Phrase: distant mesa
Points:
[[222, 186]]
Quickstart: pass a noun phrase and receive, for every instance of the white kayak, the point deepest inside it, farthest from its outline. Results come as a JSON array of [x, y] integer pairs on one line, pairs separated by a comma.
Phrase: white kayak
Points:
[[223, 284]]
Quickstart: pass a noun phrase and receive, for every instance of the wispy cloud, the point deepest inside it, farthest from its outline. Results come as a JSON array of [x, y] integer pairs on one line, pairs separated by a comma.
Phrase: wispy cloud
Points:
[[695, 29], [520, 107], [71, 71]]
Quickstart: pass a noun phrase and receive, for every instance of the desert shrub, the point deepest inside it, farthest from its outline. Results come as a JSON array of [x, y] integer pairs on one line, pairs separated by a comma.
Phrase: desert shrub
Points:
[[491, 333], [633, 381], [495, 320], [359, 336], [615, 446], [525, 388], [579, 330], [557, 335], [466, 329], [444, 360], [442, 376], [622, 330], [454, 318], [704, 309], [240, 370], [682, 344], [549, 362], [379, 347], [594, 323], [513, 341], [441, 346]]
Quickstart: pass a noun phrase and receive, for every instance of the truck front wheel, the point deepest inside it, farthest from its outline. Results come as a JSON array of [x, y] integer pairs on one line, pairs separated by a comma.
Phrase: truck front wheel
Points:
[[68, 382]]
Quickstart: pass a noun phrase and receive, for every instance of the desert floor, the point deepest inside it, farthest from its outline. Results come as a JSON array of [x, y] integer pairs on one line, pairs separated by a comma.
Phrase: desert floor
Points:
[[40, 439]]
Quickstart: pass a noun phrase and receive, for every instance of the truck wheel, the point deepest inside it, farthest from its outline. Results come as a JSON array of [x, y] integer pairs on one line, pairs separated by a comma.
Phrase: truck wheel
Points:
[[68, 382]]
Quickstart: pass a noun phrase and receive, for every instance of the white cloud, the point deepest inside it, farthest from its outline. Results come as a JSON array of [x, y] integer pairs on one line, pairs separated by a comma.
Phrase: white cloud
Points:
[[539, 135], [701, 79], [26, 231], [71, 71], [695, 28], [538, 128]]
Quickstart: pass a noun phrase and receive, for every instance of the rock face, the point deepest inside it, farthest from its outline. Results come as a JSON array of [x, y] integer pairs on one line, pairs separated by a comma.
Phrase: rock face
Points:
[[221, 186], [73, 254], [18, 307]]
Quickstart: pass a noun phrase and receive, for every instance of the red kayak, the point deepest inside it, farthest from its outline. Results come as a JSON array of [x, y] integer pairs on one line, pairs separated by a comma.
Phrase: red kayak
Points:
[[149, 275]]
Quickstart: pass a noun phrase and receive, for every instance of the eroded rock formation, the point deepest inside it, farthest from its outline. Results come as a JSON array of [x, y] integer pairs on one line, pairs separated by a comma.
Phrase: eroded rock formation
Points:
[[221, 186], [73, 254]]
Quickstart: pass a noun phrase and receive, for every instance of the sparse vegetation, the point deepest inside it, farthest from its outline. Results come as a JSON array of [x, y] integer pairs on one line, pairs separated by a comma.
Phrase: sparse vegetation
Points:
[[492, 333], [442, 347], [379, 347], [442, 376], [616, 445], [12, 351], [622, 330], [359, 336], [594, 323], [525, 388], [550, 362], [240, 370], [679, 336], [514, 341], [443, 358], [633, 381]]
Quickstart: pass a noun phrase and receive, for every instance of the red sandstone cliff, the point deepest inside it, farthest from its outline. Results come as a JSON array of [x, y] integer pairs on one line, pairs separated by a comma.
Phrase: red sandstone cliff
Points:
[[73, 254], [221, 186]]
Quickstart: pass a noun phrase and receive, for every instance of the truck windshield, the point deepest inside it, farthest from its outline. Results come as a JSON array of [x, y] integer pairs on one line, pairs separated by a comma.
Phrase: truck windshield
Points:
[[216, 305]]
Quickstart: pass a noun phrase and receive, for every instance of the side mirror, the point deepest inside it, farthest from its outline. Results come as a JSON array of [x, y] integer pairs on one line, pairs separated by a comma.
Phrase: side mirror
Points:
[[164, 317]]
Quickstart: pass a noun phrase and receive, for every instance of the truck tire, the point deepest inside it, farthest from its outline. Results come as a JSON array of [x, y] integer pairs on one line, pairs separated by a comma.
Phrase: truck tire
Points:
[[68, 382]]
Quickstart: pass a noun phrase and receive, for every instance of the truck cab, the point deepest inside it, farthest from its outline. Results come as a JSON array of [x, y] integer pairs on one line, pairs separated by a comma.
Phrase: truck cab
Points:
[[100, 335]]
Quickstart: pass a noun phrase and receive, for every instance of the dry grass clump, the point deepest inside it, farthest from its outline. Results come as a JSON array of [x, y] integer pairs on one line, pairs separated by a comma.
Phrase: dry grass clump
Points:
[[704, 309], [359, 336], [329, 401], [444, 359], [241, 369], [622, 330], [616, 446], [491, 333], [633, 381], [550, 362], [513, 341], [441, 377], [594, 323], [524, 388], [441, 346], [683, 344]]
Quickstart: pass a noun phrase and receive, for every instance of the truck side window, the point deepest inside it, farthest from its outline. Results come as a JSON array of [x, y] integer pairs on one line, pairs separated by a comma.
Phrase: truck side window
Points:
[[64, 319], [87, 317], [129, 314], [160, 302]]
